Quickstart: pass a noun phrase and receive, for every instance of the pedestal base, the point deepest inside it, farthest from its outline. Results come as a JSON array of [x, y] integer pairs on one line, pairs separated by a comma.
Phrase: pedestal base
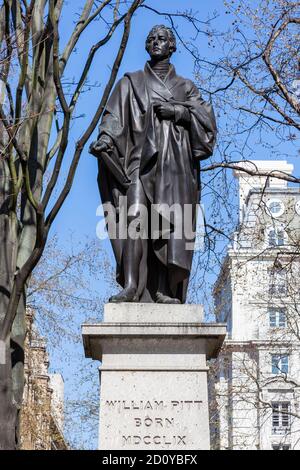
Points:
[[153, 375]]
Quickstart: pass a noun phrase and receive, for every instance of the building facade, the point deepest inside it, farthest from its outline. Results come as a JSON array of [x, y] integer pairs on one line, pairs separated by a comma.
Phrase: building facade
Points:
[[255, 392], [42, 414]]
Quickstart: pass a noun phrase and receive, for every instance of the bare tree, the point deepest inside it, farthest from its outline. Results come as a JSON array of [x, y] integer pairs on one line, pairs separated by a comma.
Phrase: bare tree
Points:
[[254, 76], [251, 74], [32, 71]]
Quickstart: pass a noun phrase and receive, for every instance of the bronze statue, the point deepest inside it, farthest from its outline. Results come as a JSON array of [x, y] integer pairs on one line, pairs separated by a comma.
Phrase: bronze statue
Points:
[[155, 130]]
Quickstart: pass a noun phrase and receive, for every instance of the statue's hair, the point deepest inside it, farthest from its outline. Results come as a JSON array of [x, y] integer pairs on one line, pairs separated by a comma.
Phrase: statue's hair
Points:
[[171, 35]]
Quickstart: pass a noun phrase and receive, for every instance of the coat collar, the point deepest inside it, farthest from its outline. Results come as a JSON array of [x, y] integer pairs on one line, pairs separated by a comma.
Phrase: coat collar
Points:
[[162, 88], [138, 81]]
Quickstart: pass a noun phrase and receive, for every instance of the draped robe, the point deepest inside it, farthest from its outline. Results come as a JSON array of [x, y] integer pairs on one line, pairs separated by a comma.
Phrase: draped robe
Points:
[[165, 154]]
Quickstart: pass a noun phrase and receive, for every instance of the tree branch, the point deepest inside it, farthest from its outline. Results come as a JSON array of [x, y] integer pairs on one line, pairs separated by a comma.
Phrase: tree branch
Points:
[[83, 22], [81, 143], [266, 57]]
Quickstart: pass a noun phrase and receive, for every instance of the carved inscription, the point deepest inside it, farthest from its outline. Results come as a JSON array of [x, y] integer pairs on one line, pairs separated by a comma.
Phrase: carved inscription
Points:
[[151, 428], [152, 404], [157, 440], [157, 422]]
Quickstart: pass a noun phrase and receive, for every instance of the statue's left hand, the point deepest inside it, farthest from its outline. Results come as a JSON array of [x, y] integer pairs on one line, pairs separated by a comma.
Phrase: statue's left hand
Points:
[[165, 110]]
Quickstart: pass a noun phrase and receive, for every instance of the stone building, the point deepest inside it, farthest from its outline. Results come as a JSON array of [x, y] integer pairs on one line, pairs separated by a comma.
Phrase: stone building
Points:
[[42, 412], [255, 393]]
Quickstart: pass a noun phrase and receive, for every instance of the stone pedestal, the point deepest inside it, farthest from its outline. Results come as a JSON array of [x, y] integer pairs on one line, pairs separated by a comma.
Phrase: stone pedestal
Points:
[[153, 375]]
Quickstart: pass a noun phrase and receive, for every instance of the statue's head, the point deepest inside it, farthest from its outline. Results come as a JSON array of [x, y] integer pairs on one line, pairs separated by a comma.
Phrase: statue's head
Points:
[[160, 42]]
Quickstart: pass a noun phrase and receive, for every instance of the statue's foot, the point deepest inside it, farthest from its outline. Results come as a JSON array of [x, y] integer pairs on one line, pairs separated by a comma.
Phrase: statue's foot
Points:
[[126, 295], [165, 299]]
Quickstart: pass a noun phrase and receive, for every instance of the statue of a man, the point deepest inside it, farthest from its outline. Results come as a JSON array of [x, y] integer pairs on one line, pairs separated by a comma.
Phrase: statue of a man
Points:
[[155, 130]]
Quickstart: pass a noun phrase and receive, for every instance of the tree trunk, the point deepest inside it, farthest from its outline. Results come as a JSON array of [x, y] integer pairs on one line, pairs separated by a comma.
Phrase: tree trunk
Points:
[[17, 362], [8, 409], [10, 356]]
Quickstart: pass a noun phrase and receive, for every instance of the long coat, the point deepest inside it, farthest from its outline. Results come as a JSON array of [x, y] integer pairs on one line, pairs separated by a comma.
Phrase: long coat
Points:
[[166, 155]]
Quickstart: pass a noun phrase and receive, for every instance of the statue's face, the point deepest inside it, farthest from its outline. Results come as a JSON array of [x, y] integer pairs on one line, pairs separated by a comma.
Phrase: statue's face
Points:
[[158, 45]]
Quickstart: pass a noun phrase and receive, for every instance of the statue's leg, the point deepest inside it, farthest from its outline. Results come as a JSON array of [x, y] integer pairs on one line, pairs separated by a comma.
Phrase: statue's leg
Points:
[[133, 249], [164, 294], [131, 260]]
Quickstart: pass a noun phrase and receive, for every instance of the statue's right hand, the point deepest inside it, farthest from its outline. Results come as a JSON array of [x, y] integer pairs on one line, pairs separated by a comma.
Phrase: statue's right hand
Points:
[[98, 147]]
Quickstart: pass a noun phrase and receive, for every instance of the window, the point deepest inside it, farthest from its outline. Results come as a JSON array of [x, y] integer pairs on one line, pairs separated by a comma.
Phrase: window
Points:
[[277, 317], [278, 282], [280, 364], [281, 421], [275, 207], [276, 236]]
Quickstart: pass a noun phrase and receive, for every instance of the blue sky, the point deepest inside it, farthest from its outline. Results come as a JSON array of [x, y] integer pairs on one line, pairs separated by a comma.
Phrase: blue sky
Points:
[[79, 210], [78, 215]]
